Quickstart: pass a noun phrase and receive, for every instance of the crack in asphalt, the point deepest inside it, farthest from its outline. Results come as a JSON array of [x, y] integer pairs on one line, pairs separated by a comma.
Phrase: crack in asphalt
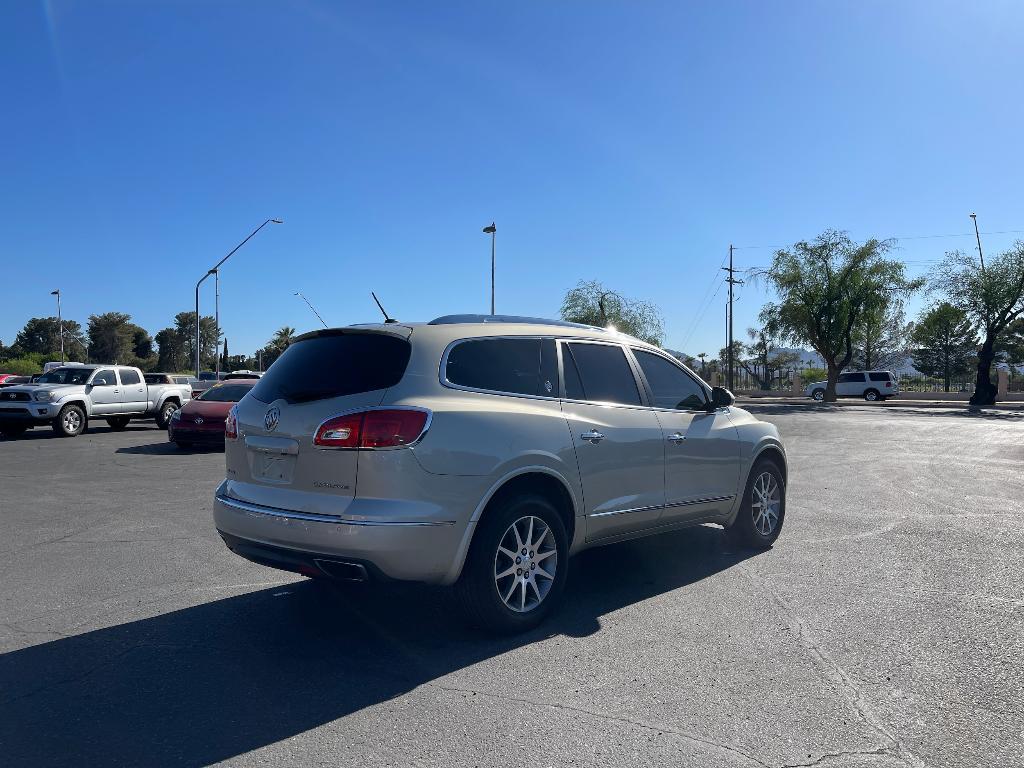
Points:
[[835, 674], [750, 759]]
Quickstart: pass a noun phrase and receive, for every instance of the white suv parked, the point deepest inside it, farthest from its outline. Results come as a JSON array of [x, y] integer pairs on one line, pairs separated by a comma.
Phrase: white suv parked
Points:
[[871, 385], [481, 452]]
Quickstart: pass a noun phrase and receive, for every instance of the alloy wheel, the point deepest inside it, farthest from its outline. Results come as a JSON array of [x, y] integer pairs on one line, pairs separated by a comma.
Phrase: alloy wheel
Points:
[[72, 421], [525, 564], [766, 503]]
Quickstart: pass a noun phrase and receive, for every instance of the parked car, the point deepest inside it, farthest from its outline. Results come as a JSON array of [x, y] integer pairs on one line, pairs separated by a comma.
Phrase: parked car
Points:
[[169, 378], [242, 375], [66, 398], [871, 385], [53, 364], [10, 379], [201, 420], [489, 450]]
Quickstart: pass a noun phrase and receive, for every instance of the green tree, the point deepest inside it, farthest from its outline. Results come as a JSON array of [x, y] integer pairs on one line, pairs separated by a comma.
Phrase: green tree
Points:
[[42, 335], [171, 355], [209, 339], [110, 337], [142, 342], [763, 359], [825, 288], [991, 296], [590, 303], [880, 339], [944, 343]]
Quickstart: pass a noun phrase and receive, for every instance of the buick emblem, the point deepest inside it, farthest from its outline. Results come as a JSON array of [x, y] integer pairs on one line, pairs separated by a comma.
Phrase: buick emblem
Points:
[[271, 419], [199, 419]]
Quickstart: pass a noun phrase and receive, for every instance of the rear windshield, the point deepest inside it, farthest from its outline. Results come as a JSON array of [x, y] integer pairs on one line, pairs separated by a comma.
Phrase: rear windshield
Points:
[[335, 365], [225, 393]]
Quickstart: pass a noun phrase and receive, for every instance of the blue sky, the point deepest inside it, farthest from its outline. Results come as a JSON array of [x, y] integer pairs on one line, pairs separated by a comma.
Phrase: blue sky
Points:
[[624, 142]]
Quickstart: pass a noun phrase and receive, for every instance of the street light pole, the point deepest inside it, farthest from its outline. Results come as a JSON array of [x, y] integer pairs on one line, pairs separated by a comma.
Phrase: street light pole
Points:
[[977, 234], [216, 317], [214, 271], [60, 324], [492, 231]]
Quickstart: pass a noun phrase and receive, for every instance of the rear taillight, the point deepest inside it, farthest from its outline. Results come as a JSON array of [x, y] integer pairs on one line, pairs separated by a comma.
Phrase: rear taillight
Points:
[[231, 424], [384, 428]]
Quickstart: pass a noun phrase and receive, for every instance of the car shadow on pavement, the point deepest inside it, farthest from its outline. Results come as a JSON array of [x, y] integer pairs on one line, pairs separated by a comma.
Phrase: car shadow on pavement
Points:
[[220, 679], [954, 411], [167, 448], [94, 428]]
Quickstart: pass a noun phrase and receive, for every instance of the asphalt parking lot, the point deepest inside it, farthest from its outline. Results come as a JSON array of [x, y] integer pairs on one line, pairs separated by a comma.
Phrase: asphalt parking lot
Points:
[[885, 628]]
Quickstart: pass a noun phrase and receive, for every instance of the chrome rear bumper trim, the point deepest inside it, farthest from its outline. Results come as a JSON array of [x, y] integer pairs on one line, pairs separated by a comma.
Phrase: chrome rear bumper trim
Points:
[[259, 509]]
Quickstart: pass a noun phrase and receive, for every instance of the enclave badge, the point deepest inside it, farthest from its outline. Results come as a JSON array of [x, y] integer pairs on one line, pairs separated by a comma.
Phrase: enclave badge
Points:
[[271, 419]]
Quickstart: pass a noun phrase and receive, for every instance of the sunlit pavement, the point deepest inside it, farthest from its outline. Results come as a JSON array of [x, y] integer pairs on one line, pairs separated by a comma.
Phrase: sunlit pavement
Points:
[[885, 628]]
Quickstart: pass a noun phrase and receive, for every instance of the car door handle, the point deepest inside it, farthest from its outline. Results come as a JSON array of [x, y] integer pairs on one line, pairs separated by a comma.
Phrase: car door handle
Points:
[[676, 438], [593, 436]]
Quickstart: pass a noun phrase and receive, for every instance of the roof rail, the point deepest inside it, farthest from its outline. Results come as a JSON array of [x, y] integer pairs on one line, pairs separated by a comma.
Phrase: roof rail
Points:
[[512, 319]]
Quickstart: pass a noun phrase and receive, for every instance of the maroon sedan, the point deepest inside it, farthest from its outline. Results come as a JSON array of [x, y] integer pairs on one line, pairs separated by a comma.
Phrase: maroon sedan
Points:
[[201, 420]]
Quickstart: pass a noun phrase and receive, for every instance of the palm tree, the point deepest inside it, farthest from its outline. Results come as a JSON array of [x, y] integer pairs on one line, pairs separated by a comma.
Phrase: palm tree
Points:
[[283, 337], [703, 371]]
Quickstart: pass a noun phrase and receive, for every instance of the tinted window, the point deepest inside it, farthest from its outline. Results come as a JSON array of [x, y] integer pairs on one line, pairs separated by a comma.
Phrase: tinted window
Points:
[[129, 377], [225, 393], [105, 379], [516, 366], [603, 374], [332, 365], [670, 385], [850, 378], [880, 376]]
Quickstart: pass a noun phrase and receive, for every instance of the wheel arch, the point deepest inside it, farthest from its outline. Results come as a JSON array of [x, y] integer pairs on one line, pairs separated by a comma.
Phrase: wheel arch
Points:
[[533, 479]]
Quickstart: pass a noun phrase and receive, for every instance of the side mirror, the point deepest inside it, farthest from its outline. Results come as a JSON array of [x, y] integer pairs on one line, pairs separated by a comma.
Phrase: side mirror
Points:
[[721, 397]]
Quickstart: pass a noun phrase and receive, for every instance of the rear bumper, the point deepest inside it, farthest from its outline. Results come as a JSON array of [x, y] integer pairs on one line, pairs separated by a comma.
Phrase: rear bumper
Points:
[[413, 550]]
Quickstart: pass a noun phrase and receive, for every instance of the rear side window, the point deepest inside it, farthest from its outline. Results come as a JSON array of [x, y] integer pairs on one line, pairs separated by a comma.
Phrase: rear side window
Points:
[[670, 385], [880, 376], [516, 366], [851, 378], [334, 365], [129, 377], [599, 373]]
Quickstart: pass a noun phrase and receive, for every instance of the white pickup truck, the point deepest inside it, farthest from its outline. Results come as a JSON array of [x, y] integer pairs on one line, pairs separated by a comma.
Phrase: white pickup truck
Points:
[[66, 398]]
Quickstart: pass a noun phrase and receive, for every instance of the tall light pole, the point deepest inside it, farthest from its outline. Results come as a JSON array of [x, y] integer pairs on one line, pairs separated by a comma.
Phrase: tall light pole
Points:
[[60, 324], [492, 231], [977, 234], [299, 294], [214, 271]]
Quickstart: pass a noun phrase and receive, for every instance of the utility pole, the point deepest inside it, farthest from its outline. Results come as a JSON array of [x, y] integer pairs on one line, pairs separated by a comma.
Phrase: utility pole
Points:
[[60, 324], [731, 280], [977, 234]]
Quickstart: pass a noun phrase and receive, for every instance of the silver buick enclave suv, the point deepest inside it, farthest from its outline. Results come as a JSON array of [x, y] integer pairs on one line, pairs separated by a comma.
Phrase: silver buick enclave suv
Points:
[[481, 452]]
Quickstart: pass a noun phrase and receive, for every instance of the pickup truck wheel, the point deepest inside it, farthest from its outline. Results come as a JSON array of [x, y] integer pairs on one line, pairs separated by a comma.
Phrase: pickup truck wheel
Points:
[[11, 431], [70, 422], [118, 423], [763, 508], [517, 565], [163, 418]]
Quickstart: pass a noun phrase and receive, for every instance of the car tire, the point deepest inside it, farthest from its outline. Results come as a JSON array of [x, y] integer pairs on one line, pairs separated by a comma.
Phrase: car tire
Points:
[[872, 395], [752, 528], [497, 594], [163, 417], [818, 394], [118, 423], [12, 431], [71, 421]]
